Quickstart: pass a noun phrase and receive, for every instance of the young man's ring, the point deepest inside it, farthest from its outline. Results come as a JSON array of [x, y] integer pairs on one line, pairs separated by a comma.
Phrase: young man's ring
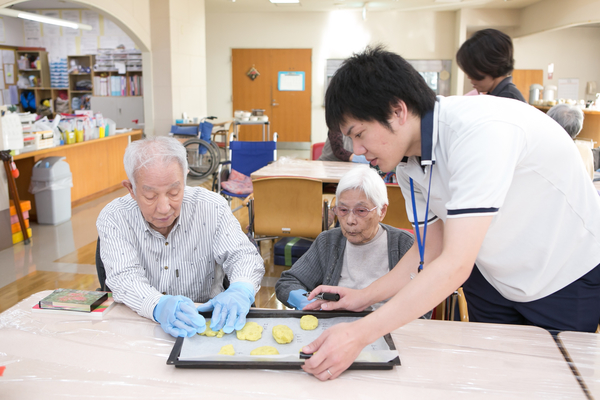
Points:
[[329, 372]]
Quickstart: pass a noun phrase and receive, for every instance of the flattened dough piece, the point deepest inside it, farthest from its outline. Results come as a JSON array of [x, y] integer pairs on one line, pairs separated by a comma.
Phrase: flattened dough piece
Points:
[[282, 334], [251, 331], [309, 322], [210, 333], [264, 351], [227, 350]]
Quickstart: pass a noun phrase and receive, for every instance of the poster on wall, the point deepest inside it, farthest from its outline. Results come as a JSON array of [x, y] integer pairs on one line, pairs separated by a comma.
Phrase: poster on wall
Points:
[[109, 42], [290, 81], [91, 18], [9, 74], [8, 57], [2, 32], [73, 16], [89, 44], [111, 29], [51, 30]]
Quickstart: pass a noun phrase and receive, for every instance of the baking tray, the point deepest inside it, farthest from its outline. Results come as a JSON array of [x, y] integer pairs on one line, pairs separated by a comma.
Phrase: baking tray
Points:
[[265, 364]]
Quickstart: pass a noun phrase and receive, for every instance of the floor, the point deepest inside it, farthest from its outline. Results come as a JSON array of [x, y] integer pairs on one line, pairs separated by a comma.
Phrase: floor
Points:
[[63, 256]]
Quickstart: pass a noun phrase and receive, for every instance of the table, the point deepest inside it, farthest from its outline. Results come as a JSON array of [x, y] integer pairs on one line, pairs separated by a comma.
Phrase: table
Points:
[[326, 171], [583, 349], [124, 356], [264, 124]]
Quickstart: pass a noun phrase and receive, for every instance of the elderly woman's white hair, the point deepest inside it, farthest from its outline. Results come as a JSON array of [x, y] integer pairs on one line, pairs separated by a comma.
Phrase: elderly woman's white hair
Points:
[[149, 152], [568, 116], [367, 180]]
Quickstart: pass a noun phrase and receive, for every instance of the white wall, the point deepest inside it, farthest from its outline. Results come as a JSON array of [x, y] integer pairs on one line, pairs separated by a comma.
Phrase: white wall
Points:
[[414, 35], [575, 53]]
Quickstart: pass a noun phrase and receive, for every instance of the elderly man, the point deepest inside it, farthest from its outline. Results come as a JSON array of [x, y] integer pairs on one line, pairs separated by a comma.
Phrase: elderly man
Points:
[[162, 242], [571, 119], [355, 255]]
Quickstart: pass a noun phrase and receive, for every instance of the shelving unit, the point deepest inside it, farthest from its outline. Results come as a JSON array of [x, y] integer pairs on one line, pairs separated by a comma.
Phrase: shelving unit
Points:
[[42, 89], [86, 61], [106, 79]]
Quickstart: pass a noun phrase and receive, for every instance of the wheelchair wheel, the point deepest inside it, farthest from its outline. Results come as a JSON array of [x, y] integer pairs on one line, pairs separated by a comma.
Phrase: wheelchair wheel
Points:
[[203, 160]]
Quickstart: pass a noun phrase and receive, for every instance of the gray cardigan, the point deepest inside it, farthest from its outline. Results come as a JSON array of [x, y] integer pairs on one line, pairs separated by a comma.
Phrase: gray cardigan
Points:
[[322, 263]]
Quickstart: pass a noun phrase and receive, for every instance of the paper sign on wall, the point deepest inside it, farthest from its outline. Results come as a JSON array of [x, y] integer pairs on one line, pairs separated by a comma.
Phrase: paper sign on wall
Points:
[[290, 81]]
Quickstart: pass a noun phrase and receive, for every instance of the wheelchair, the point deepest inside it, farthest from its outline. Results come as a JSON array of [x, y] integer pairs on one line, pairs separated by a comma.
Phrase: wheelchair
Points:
[[203, 154]]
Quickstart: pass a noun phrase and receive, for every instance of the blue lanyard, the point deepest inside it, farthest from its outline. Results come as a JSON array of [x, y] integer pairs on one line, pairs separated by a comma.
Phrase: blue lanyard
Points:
[[416, 219]]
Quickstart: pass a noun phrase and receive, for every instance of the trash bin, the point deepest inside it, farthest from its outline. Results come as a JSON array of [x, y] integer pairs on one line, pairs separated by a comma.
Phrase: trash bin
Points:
[[51, 183]]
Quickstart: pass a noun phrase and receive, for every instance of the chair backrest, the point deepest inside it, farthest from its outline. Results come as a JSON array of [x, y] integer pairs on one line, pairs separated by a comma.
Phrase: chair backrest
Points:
[[317, 149], [396, 212], [247, 157], [286, 206]]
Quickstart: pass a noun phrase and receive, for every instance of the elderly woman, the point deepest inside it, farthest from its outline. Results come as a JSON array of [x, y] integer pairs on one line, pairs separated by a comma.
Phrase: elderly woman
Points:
[[570, 117], [357, 253]]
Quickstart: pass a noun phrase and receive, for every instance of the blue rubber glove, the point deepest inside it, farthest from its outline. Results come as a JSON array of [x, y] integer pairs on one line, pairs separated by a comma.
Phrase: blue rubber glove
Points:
[[178, 316], [359, 159], [230, 307], [297, 299]]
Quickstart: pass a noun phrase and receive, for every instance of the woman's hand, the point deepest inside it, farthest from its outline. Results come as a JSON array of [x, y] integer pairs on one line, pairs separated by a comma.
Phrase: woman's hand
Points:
[[350, 299]]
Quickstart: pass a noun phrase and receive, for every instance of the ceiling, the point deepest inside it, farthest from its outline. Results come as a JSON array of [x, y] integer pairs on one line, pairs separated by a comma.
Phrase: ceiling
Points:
[[315, 5], [48, 5], [380, 5]]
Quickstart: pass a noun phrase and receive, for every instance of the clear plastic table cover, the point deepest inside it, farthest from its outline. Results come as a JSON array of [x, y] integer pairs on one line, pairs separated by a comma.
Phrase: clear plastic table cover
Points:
[[584, 351], [123, 356]]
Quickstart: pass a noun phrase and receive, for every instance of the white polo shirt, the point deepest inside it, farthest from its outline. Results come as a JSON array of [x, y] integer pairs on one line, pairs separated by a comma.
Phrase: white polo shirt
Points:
[[504, 158]]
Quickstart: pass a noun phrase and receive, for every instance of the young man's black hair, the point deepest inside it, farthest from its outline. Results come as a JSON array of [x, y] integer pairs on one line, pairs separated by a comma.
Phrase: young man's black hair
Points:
[[487, 52], [369, 84]]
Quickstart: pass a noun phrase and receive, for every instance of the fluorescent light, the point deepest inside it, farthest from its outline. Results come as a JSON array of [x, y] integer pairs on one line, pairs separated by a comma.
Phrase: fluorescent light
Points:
[[43, 19], [284, 1]]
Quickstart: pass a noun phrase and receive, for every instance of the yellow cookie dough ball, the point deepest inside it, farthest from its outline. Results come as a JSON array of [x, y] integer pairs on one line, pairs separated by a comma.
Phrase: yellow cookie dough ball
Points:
[[227, 350], [264, 351], [282, 334], [210, 333], [309, 322], [251, 331]]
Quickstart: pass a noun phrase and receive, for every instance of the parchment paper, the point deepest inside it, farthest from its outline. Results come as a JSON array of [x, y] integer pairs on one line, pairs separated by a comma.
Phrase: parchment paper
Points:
[[202, 348]]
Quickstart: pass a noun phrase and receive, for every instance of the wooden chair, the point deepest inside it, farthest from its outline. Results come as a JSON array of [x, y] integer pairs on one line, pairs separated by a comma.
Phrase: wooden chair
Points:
[[396, 212], [445, 310], [288, 206]]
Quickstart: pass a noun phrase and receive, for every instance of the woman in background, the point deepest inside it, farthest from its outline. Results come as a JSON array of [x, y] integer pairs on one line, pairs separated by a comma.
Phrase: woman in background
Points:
[[487, 59]]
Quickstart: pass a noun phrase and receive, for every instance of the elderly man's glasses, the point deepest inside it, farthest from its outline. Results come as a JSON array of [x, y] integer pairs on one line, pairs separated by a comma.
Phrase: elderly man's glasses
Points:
[[360, 212]]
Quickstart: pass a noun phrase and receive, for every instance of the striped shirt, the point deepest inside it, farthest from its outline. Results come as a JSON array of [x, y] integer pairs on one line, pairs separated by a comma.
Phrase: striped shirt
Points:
[[142, 265]]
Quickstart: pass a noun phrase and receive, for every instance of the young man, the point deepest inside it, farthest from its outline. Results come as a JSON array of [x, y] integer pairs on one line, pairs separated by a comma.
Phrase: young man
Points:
[[505, 191]]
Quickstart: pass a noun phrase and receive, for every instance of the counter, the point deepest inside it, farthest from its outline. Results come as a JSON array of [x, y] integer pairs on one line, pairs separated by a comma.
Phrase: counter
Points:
[[96, 165]]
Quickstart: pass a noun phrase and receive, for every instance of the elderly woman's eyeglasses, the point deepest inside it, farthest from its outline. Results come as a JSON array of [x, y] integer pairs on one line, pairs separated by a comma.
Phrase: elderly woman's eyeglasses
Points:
[[360, 212]]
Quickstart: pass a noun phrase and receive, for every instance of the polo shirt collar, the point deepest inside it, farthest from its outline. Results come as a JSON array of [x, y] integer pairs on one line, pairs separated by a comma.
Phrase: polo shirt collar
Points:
[[501, 86], [429, 123]]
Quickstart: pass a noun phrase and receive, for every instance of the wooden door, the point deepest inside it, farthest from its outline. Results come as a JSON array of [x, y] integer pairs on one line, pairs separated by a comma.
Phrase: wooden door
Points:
[[524, 78], [289, 112]]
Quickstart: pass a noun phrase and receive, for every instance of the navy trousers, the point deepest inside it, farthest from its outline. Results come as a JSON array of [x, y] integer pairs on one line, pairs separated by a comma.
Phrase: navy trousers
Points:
[[575, 307]]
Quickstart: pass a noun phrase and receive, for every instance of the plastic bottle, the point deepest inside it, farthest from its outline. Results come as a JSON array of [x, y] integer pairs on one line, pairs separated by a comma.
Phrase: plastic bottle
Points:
[[79, 131]]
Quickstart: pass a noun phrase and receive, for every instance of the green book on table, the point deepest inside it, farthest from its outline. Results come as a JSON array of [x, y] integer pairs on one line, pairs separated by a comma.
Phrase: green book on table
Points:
[[74, 300]]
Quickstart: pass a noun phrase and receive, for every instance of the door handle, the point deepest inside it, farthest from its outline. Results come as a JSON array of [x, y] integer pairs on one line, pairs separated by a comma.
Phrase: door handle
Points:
[[274, 104]]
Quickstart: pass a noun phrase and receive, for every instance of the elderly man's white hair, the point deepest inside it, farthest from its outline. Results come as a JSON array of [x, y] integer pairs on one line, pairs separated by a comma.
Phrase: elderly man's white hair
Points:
[[160, 150], [569, 117], [367, 180]]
